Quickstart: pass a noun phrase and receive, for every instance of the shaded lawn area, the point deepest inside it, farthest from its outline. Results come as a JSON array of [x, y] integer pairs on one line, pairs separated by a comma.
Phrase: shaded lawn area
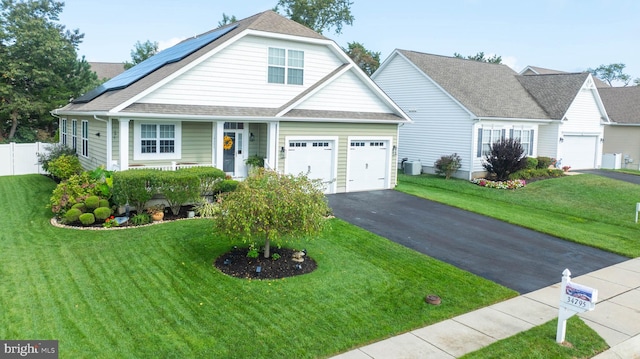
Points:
[[153, 292], [587, 209]]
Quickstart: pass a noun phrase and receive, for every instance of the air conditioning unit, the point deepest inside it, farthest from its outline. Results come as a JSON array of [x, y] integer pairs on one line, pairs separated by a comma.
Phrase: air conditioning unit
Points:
[[412, 168]]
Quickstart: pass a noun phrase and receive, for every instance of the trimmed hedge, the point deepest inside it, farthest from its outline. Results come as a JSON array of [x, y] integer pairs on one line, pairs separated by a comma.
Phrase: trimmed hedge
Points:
[[102, 213], [135, 187], [179, 187], [87, 219], [536, 173], [209, 177]]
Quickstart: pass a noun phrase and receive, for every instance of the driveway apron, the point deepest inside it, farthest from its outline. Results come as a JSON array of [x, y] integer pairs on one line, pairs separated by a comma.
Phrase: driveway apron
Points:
[[518, 258], [614, 175]]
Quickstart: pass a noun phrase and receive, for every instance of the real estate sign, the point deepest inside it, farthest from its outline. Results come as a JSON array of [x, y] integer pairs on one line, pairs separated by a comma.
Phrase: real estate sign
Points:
[[574, 298]]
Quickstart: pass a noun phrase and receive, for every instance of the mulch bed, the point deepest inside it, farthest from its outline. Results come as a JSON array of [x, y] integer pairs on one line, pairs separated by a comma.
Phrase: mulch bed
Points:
[[168, 216], [236, 264]]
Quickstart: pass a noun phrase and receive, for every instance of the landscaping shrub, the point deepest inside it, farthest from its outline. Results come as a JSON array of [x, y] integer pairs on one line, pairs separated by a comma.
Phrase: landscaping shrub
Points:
[[55, 151], [72, 215], [104, 180], [140, 219], [448, 165], [92, 202], [74, 190], [204, 208], [227, 185], [81, 206], [532, 163], [209, 177], [536, 173], [65, 166], [544, 162], [135, 187], [87, 219], [505, 157], [178, 188], [103, 203], [102, 213]]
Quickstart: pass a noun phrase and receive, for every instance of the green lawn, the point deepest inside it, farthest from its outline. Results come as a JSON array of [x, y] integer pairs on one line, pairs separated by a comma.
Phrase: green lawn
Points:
[[153, 292], [585, 208]]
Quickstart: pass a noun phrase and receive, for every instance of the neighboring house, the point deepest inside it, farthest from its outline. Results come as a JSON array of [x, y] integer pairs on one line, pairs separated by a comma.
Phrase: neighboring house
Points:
[[107, 70], [463, 106], [264, 86], [622, 136], [534, 70]]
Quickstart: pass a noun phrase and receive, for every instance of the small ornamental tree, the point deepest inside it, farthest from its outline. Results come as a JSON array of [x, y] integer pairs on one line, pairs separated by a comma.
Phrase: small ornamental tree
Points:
[[272, 207], [448, 165], [505, 157]]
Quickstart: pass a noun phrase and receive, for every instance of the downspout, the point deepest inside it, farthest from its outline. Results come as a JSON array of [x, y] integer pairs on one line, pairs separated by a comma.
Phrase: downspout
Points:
[[109, 144]]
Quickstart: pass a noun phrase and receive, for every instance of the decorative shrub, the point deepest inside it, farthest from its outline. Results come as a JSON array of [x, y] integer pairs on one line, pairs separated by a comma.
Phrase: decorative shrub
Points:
[[505, 157], [209, 177], [536, 173], [140, 219], [227, 185], [81, 206], [204, 208], [103, 203], [104, 180], [64, 167], [135, 187], [448, 165], [72, 215], [102, 213], [87, 219], [544, 162], [511, 184], [54, 152], [178, 188], [532, 163], [74, 190], [92, 202]]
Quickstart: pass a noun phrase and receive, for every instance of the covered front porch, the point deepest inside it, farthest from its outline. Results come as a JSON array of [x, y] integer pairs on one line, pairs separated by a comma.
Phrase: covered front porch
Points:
[[170, 144]]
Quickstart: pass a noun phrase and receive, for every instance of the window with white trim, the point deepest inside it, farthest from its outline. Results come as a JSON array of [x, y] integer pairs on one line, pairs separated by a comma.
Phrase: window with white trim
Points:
[[285, 66], [526, 139], [74, 135], [157, 140], [85, 138], [63, 131], [487, 137]]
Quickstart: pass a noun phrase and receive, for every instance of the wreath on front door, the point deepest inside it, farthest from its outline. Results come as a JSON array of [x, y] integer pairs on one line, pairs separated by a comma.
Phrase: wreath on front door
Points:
[[227, 143]]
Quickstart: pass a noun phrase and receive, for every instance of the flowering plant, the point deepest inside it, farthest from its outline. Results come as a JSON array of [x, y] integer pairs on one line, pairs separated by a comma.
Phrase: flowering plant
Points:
[[110, 222], [227, 143], [511, 184]]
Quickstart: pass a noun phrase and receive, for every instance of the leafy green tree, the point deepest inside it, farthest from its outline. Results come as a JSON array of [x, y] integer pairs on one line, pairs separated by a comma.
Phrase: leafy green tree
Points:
[[141, 51], [367, 60], [226, 19], [318, 15], [611, 73], [272, 207], [481, 57], [39, 68]]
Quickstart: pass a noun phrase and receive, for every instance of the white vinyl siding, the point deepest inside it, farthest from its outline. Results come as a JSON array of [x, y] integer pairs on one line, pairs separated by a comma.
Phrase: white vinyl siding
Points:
[[237, 76], [347, 93], [548, 140], [441, 126]]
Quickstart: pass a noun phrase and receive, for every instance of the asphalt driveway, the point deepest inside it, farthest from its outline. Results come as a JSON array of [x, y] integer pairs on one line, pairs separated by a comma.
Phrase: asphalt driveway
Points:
[[614, 175], [518, 258]]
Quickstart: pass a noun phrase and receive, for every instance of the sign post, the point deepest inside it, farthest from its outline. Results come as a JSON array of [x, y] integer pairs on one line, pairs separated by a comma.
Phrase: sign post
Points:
[[637, 210], [574, 298]]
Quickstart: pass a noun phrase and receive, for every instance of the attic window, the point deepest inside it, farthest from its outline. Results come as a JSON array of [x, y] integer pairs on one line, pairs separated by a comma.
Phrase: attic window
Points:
[[286, 66]]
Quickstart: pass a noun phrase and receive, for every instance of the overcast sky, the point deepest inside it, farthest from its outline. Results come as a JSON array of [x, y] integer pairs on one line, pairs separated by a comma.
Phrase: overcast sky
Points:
[[567, 35]]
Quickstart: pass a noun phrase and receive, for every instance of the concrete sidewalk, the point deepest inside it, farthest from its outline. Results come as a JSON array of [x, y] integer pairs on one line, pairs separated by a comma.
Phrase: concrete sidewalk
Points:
[[616, 319]]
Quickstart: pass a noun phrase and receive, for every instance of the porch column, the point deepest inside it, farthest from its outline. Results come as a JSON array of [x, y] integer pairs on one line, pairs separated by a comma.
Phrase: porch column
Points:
[[272, 145], [124, 143], [218, 153]]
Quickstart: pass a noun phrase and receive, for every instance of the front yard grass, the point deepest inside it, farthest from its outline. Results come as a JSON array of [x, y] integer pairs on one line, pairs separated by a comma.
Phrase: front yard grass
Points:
[[587, 209], [153, 291]]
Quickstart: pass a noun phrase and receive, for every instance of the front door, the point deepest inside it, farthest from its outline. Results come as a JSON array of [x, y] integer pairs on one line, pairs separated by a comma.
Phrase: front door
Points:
[[234, 150]]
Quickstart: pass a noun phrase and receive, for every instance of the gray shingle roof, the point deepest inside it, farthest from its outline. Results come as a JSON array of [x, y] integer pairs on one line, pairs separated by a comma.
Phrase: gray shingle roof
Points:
[[622, 103], [107, 70], [485, 89], [554, 92], [267, 21], [535, 70]]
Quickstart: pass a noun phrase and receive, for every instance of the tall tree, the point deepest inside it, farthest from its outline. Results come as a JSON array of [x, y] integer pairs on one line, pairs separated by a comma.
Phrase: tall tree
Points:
[[318, 15], [612, 73], [141, 51], [367, 60], [480, 56], [39, 68], [226, 19]]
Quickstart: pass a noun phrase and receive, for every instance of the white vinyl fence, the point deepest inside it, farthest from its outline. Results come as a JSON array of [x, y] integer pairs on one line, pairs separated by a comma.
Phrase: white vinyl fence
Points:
[[21, 158]]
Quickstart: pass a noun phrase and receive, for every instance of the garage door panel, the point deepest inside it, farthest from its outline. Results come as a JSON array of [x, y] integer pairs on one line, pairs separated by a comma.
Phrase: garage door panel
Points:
[[313, 158], [579, 152], [368, 167]]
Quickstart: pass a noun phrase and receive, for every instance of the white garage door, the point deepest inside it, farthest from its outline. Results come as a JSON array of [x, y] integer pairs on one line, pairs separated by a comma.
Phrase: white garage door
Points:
[[368, 165], [315, 158], [579, 152]]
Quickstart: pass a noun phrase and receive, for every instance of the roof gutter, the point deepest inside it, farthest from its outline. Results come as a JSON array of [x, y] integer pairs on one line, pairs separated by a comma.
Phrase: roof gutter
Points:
[[511, 119]]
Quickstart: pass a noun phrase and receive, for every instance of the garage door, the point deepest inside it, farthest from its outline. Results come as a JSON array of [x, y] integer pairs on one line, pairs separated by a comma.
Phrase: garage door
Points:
[[579, 152], [367, 165], [315, 158]]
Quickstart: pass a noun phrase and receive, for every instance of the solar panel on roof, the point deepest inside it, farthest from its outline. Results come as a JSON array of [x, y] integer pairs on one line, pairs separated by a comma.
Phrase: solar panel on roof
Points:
[[170, 55]]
